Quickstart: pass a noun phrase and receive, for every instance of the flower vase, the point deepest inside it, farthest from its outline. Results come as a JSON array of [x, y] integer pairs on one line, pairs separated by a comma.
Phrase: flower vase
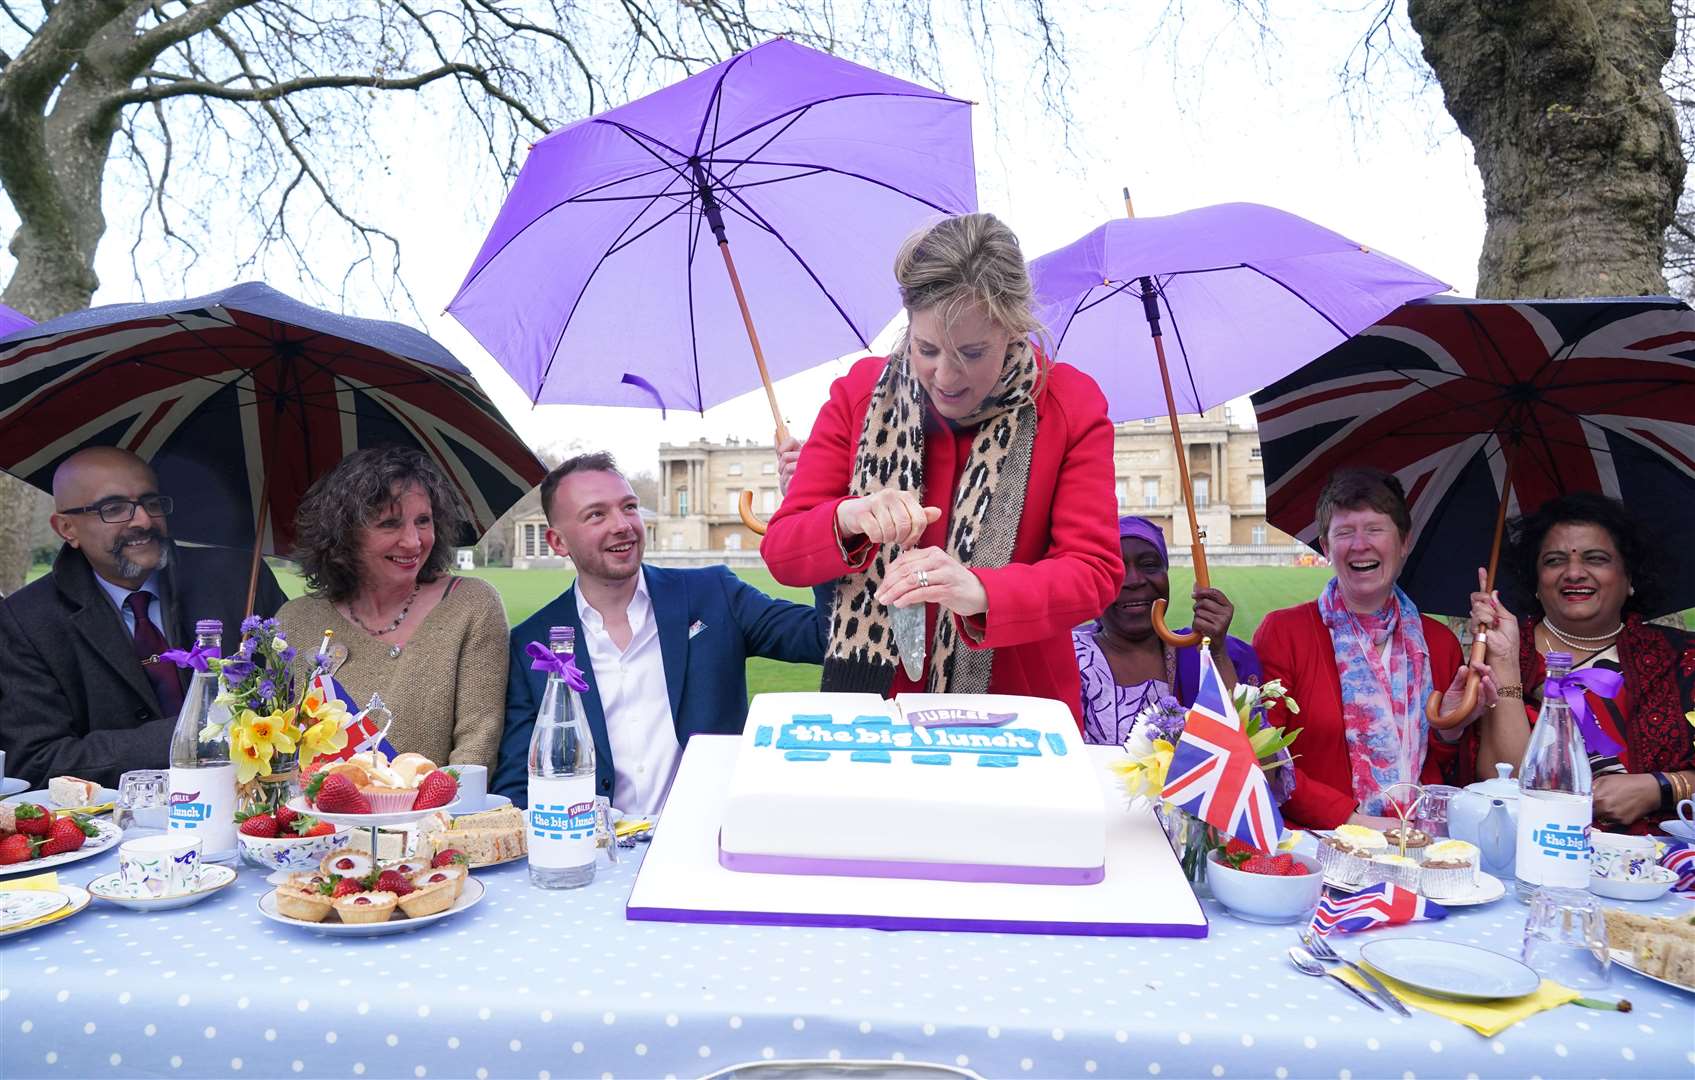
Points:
[[266, 792], [1191, 840]]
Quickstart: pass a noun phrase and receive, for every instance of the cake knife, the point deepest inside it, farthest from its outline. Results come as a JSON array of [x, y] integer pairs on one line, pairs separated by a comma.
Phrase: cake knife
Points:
[[907, 624]]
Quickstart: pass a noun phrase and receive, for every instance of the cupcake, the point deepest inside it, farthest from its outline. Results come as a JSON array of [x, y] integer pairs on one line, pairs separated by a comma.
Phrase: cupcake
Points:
[[307, 905], [1345, 854], [1396, 869], [366, 907], [1408, 841], [1450, 869], [453, 875], [427, 899]]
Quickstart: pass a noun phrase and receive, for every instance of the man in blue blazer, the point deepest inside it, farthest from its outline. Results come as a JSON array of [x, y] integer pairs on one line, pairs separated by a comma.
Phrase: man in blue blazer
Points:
[[664, 651]]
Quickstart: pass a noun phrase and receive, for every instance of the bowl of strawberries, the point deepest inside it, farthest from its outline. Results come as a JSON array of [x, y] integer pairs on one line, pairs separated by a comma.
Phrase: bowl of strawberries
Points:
[[286, 839], [1264, 888]]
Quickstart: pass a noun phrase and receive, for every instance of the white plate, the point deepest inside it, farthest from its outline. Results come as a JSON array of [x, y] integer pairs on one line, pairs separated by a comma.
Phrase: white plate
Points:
[[1626, 960], [1487, 890], [39, 797], [79, 898], [111, 888], [24, 905], [108, 835], [474, 890], [493, 802], [1614, 889], [12, 785], [366, 821], [1449, 969]]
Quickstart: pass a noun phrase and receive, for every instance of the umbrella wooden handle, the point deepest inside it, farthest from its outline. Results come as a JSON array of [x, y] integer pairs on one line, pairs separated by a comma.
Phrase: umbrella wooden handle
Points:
[[1468, 700], [748, 518], [1181, 641]]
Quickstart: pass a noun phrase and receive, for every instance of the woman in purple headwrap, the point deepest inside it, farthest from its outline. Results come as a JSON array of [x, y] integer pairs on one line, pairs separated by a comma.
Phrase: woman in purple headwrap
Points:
[[1126, 668]]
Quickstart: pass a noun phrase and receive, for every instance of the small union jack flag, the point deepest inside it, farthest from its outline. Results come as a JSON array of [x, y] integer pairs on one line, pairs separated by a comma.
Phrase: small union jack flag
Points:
[[1383, 904], [1214, 774], [364, 732], [1680, 860]]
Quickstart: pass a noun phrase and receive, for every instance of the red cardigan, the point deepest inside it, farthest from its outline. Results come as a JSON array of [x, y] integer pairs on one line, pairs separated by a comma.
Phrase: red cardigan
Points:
[[1294, 645], [1066, 565]]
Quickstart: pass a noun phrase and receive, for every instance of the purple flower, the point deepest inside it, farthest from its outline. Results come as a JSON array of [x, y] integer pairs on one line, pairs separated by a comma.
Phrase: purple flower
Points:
[[267, 690], [250, 624], [237, 671], [321, 661], [286, 656]]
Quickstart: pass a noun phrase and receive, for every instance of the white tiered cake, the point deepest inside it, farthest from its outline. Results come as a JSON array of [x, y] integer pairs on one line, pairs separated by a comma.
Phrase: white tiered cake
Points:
[[947, 786]]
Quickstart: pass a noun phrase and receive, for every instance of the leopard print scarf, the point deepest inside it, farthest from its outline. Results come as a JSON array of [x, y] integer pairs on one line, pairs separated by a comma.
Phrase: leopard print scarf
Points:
[[982, 528]]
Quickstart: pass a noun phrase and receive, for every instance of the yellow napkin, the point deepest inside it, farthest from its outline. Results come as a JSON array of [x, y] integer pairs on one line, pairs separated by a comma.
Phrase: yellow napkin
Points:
[[48, 882], [1488, 1018]]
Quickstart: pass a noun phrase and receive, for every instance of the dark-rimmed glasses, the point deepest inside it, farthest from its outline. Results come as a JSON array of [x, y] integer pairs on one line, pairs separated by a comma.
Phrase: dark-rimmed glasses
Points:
[[118, 511]]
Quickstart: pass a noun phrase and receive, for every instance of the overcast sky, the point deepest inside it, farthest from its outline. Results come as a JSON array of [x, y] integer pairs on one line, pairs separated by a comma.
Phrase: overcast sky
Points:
[[1212, 116]]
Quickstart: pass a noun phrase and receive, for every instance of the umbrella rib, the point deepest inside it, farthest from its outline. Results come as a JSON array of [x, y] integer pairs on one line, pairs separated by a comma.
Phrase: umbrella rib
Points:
[[808, 105], [1177, 332], [688, 275], [808, 170]]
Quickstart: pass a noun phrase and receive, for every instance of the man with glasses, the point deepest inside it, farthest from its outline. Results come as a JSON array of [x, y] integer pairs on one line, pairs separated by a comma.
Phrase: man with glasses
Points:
[[82, 691]]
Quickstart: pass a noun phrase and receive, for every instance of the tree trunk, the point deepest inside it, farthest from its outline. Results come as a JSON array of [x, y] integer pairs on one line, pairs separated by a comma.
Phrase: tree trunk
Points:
[[1573, 133]]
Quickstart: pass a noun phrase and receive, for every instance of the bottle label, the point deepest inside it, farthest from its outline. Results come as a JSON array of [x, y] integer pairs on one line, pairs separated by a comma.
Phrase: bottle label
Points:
[[562, 820], [1553, 839], [203, 803]]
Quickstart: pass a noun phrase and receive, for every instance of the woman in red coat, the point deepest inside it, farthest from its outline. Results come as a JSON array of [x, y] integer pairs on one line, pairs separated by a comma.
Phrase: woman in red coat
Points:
[[966, 473], [1360, 661]]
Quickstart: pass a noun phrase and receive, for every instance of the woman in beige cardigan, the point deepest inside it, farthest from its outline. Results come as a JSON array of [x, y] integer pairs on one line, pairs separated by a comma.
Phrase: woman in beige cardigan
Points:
[[374, 537]]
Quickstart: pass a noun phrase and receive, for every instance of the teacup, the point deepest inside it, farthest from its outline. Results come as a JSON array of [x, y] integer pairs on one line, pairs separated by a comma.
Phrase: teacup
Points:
[[473, 788], [167, 865]]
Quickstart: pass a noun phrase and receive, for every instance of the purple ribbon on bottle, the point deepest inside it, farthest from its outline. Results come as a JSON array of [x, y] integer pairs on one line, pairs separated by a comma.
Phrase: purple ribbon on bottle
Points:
[[191, 658], [1571, 687], [545, 659]]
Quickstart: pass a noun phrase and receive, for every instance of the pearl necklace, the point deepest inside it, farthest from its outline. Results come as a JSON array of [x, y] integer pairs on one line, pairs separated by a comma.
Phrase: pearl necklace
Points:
[[1574, 640], [391, 627]]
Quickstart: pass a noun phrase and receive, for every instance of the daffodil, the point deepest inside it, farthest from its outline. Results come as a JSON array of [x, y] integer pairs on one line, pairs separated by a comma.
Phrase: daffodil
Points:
[[324, 737], [252, 757], [272, 730], [1143, 774]]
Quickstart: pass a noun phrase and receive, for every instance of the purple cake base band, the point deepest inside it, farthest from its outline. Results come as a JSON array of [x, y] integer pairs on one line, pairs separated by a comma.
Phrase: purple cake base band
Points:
[[914, 922], [929, 871]]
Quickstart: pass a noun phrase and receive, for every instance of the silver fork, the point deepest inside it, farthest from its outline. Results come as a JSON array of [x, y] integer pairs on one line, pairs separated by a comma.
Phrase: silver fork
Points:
[[1322, 951]]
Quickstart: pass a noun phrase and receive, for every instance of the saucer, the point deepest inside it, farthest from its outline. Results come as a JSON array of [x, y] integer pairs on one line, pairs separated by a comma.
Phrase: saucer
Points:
[[113, 889], [1449, 969], [79, 900], [12, 785]]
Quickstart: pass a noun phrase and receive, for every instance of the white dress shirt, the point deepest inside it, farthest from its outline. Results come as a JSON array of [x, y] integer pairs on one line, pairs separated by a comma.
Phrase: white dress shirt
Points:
[[636, 703], [120, 600]]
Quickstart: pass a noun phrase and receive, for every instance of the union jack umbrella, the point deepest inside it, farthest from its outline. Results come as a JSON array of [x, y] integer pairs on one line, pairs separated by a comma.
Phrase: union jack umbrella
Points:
[[1577, 395], [241, 398], [1214, 774], [1383, 904]]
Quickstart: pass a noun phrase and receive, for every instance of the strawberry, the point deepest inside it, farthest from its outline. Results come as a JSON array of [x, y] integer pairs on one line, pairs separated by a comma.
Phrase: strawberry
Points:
[[285, 820], [437, 789], [1260, 864], [450, 857], [311, 826], [346, 886], [1235, 846], [261, 825], [393, 881], [66, 835], [337, 795], [33, 819], [15, 849], [1283, 862], [1296, 870]]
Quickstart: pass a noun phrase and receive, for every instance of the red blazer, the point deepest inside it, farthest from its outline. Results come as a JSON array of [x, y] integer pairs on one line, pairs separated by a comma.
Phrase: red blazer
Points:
[[1066, 565], [1294, 645]]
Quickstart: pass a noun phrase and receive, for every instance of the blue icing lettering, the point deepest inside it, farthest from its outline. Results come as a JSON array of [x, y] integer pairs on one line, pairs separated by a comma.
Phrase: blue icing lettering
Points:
[[872, 720], [997, 761], [878, 733], [812, 718], [932, 759], [1057, 742], [807, 755], [762, 735], [876, 757]]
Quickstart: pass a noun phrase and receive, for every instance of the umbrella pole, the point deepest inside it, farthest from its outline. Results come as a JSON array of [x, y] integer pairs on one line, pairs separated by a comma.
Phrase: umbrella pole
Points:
[[715, 221], [1479, 645], [258, 541]]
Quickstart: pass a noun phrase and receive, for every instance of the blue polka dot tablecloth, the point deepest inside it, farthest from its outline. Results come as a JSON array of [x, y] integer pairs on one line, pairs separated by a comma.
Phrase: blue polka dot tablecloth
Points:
[[531, 983]]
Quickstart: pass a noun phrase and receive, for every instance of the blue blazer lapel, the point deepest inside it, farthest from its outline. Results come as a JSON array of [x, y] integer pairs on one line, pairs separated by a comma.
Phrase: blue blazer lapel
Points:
[[591, 700], [669, 596]]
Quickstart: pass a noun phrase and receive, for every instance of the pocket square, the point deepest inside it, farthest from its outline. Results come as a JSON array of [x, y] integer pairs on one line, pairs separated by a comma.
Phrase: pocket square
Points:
[[696, 627]]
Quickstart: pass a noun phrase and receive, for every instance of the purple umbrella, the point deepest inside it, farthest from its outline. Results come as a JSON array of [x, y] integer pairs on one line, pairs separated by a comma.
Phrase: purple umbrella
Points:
[[12, 320], [1250, 293], [592, 287]]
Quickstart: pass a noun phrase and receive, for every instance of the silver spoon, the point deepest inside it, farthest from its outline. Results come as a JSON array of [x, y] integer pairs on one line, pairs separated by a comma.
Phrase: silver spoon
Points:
[[1307, 965]]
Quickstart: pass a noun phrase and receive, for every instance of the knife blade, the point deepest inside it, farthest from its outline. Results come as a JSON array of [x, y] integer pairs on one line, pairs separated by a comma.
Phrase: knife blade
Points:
[[907, 624]]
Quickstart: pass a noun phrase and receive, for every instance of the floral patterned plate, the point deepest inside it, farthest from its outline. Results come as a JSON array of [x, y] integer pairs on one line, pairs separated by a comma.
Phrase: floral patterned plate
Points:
[[113, 889], [79, 899], [107, 834], [18, 906]]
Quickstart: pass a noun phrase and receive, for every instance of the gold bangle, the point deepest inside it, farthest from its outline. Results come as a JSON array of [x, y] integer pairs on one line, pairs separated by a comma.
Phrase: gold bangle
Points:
[[1681, 784], [1510, 691]]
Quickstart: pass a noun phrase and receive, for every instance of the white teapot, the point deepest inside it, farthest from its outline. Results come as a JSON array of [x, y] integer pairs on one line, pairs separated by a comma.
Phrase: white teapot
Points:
[[1486, 814]]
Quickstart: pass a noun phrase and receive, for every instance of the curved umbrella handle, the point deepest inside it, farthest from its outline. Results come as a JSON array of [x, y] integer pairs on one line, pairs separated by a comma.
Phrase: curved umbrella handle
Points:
[[1170, 637], [1468, 701], [746, 509]]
